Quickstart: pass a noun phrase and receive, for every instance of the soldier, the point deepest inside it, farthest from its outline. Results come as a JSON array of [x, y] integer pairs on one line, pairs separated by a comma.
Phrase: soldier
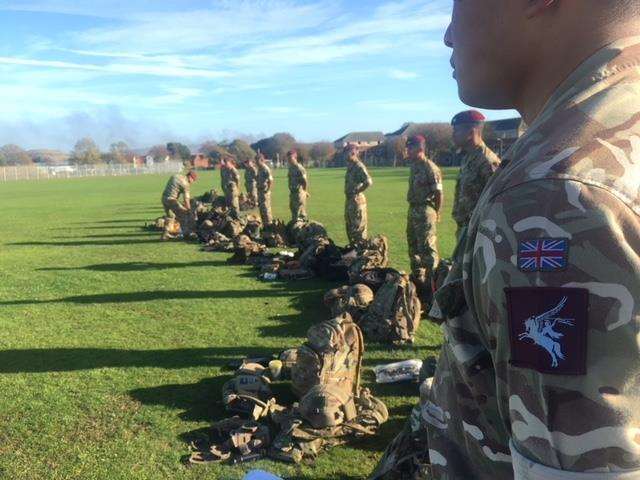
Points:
[[178, 185], [250, 181], [231, 186], [425, 202], [538, 375], [265, 184], [357, 180], [298, 187], [477, 166]]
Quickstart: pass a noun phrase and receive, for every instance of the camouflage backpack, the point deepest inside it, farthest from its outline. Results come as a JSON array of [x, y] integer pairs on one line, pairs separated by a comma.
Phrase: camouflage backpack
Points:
[[374, 253], [332, 355], [394, 315], [354, 300]]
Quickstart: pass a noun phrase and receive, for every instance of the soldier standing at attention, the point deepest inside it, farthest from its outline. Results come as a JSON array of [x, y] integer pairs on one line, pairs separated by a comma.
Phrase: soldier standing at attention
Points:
[[425, 202], [357, 180], [478, 164], [538, 375], [250, 181], [265, 184], [298, 187], [177, 186], [232, 190]]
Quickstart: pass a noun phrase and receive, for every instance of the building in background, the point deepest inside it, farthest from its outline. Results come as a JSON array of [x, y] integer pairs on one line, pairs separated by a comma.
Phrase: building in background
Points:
[[364, 140], [500, 135]]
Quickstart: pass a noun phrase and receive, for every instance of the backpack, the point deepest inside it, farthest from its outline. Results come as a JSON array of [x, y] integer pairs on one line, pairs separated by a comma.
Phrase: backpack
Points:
[[394, 315], [332, 354]]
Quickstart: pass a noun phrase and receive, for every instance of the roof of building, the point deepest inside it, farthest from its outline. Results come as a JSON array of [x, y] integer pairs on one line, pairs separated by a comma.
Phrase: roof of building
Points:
[[362, 137], [408, 129]]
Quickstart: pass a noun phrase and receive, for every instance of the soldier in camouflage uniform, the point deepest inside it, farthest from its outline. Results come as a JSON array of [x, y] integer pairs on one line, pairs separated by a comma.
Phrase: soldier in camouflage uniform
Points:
[[177, 186], [298, 188], [250, 181], [265, 184], [425, 201], [357, 180], [231, 187], [538, 375], [477, 166]]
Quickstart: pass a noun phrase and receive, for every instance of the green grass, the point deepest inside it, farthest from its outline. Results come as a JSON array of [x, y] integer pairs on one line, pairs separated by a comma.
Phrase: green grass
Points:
[[113, 345]]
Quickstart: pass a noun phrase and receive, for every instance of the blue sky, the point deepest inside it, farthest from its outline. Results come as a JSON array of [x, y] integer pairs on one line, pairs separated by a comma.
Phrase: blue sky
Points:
[[148, 71]]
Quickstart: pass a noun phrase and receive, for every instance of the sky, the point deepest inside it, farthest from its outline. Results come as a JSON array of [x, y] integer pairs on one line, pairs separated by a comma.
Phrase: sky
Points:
[[151, 71]]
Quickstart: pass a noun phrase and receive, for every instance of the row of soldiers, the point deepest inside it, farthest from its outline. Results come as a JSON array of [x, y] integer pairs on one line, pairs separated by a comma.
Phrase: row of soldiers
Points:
[[425, 193]]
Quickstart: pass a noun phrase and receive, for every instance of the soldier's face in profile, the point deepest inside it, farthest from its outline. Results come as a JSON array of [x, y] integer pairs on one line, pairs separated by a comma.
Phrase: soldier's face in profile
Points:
[[484, 37], [461, 135]]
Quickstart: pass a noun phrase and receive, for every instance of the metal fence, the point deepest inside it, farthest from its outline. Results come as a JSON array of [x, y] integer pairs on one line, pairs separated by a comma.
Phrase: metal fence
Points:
[[15, 173]]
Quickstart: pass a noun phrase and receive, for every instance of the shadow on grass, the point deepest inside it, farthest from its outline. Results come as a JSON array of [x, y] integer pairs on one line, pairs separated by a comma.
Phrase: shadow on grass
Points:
[[133, 233], [155, 295], [74, 359], [136, 266], [88, 243]]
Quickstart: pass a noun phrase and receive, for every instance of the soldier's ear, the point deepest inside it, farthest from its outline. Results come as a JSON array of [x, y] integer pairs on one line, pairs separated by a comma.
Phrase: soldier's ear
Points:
[[535, 8]]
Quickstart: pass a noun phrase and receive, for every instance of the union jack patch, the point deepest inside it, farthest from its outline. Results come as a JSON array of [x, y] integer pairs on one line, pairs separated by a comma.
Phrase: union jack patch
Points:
[[543, 255]]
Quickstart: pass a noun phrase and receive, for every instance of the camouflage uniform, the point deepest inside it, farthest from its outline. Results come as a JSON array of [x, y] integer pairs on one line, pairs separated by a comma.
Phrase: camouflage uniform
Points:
[[231, 187], [265, 180], [425, 181], [357, 180], [298, 185], [477, 167], [250, 182], [540, 379], [176, 186]]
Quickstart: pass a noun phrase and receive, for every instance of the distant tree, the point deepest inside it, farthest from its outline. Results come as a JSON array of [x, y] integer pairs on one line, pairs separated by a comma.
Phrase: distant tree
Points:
[[14, 155], [304, 153], [119, 153], [207, 146], [3, 159], [395, 151], [216, 153], [438, 137], [241, 150], [159, 152], [321, 153], [276, 146], [85, 152], [179, 151]]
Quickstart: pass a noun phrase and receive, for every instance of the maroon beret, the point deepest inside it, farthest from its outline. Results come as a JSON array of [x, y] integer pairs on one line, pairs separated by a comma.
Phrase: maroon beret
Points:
[[470, 117], [417, 140]]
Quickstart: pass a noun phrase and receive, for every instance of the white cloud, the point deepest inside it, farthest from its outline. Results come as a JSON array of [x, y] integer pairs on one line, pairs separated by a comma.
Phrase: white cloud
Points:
[[119, 68], [398, 74]]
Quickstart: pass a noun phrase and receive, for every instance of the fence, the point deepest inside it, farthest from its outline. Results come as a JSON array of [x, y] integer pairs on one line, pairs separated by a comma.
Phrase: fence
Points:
[[13, 173]]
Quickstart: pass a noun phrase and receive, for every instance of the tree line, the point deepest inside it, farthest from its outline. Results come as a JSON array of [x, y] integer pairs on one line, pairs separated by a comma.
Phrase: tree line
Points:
[[391, 152]]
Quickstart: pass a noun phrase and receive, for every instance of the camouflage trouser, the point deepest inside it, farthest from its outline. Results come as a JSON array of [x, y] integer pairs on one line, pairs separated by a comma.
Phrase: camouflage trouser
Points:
[[355, 216], [232, 196], [298, 205], [252, 193], [174, 210], [422, 240], [467, 439], [264, 203]]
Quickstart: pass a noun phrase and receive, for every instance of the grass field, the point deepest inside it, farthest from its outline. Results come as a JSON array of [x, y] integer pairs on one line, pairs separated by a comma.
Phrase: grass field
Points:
[[113, 345]]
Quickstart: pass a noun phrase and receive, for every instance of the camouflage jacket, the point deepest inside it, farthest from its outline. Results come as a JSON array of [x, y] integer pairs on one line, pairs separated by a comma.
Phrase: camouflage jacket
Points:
[[231, 179], [425, 180], [176, 186], [476, 169], [250, 176], [265, 179], [297, 178], [357, 179], [551, 278]]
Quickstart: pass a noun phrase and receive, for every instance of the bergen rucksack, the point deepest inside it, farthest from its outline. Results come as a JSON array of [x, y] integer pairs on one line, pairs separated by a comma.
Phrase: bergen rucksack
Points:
[[394, 315], [332, 354]]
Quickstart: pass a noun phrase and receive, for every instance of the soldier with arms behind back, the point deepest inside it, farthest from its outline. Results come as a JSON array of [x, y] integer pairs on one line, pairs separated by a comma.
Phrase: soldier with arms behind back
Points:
[[265, 184], [538, 374], [357, 180], [298, 187], [231, 187], [478, 164], [251, 181], [425, 202]]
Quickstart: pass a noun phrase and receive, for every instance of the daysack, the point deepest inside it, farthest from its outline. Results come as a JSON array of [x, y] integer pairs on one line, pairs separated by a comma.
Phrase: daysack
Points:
[[394, 315], [332, 354]]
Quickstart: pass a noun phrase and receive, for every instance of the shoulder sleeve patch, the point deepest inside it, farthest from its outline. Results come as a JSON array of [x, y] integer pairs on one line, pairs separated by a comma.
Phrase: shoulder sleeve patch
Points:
[[548, 329]]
